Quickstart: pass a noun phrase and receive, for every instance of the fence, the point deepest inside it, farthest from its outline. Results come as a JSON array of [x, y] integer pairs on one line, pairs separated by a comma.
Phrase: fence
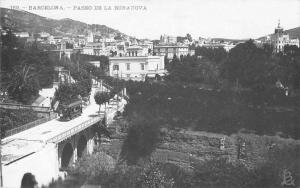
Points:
[[26, 126], [74, 130], [20, 106]]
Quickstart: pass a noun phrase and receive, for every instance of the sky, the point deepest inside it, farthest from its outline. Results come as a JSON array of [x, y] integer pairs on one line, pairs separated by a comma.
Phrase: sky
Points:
[[238, 19]]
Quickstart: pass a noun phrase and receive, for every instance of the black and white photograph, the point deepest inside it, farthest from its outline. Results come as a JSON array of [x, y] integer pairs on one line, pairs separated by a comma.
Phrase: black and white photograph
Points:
[[150, 94]]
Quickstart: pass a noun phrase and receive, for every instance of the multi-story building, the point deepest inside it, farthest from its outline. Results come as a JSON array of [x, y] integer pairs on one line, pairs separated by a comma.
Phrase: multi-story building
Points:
[[93, 48], [281, 39], [166, 39], [90, 37], [137, 51], [136, 67], [170, 50]]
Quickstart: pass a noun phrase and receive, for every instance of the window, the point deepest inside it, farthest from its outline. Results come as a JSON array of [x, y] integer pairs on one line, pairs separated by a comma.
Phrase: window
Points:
[[142, 66], [116, 67], [128, 66]]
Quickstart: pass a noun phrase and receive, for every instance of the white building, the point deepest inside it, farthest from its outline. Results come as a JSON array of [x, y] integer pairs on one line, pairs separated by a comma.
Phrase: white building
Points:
[[171, 50], [137, 51], [281, 39], [90, 37], [22, 34], [136, 67]]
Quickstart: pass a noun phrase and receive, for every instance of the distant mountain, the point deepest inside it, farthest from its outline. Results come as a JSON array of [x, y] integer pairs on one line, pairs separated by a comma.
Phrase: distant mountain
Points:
[[32, 23], [294, 33]]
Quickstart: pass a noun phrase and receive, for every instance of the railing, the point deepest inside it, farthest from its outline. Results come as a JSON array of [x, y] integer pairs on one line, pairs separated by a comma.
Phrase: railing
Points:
[[20, 106], [74, 130], [26, 126]]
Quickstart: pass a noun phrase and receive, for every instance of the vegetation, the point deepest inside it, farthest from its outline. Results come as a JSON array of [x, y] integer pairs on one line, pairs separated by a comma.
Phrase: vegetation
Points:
[[27, 69], [100, 169], [10, 119], [102, 97], [142, 139]]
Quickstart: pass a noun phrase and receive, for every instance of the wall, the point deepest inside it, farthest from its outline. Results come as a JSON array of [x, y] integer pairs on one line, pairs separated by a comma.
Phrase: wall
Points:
[[135, 72], [43, 164]]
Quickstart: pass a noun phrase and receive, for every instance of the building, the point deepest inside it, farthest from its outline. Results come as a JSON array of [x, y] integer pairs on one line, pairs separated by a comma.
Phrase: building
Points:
[[95, 63], [22, 34], [166, 39], [137, 51], [44, 35], [281, 39], [136, 67], [90, 37], [170, 50], [93, 48]]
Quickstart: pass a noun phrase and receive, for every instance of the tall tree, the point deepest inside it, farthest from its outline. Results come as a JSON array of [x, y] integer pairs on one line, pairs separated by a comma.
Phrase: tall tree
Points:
[[23, 83]]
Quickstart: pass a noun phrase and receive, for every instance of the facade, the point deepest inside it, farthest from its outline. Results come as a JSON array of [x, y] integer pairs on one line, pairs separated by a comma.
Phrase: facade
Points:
[[165, 39], [281, 39], [93, 48], [22, 34], [170, 50], [90, 37], [136, 67], [136, 51]]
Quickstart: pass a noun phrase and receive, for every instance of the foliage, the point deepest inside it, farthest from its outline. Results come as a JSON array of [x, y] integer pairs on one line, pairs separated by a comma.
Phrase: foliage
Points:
[[84, 87], [23, 84], [141, 140], [101, 97], [174, 105], [83, 60], [153, 177], [193, 70], [67, 93], [98, 169], [10, 119], [249, 66], [214, 54], [91, 167], [289, 70], [28, 68]]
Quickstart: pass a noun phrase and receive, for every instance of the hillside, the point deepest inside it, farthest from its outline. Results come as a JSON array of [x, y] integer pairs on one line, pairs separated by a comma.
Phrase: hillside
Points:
[[25, 21]]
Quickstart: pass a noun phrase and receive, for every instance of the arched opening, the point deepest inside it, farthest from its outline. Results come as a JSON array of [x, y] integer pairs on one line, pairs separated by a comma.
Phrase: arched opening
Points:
[[66, 156], [81, 146]]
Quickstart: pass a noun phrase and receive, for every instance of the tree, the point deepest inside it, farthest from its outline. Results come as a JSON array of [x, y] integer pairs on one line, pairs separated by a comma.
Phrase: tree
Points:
[[67, 93], [189, 37], [142, 138], [249, 66], [23, 84], [101, 97]]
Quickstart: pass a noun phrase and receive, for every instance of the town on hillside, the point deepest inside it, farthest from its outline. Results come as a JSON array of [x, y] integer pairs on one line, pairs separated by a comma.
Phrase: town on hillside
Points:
[[88, 106]]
